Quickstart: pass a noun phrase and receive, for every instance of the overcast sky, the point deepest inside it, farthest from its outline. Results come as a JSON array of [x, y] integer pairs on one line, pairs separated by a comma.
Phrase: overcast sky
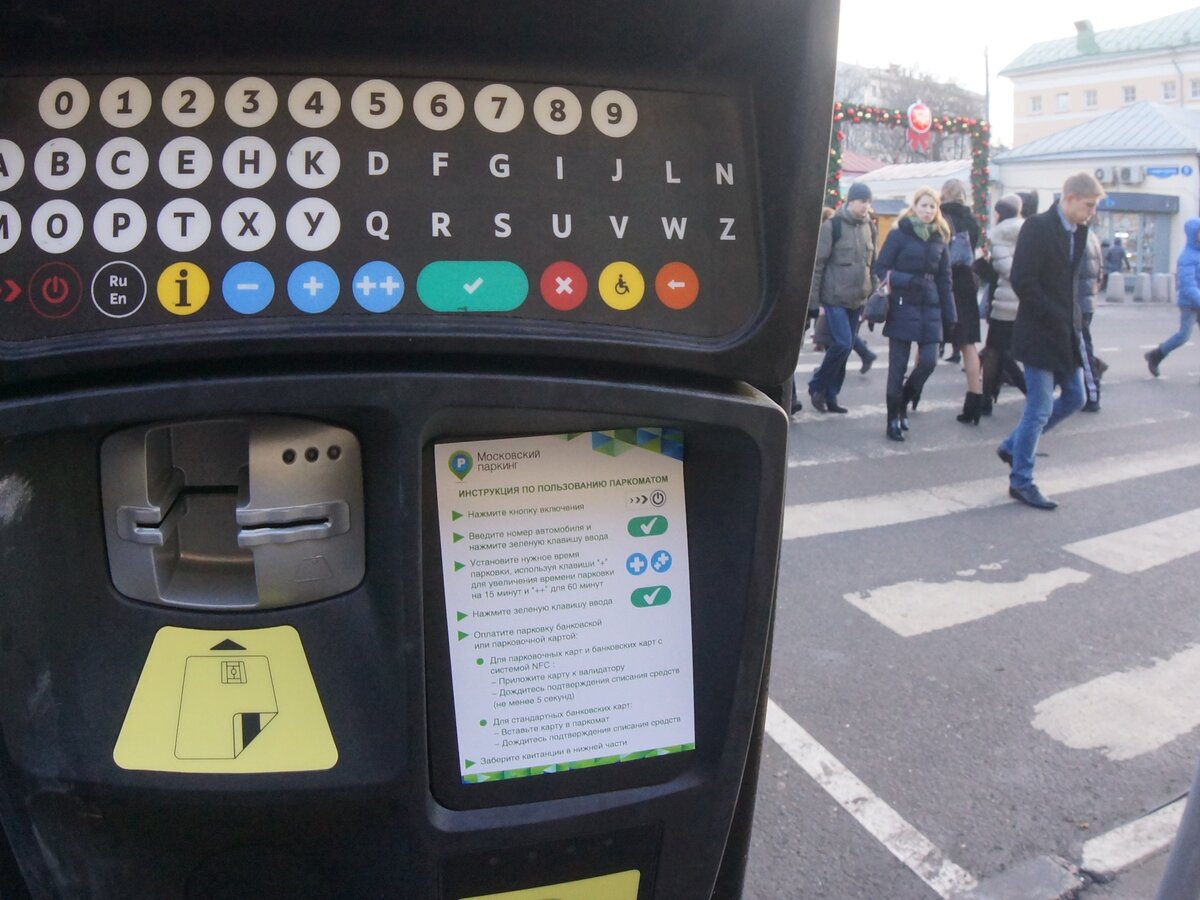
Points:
[[947, 38]]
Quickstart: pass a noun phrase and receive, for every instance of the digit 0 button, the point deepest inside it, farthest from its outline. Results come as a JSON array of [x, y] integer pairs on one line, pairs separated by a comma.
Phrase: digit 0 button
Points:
[[621, 285], [64, 103], [677, 285], [472, 286]]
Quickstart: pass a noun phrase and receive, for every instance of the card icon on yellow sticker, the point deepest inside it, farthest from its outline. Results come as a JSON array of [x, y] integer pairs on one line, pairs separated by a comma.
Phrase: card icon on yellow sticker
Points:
[[618, 886], [226, 702]]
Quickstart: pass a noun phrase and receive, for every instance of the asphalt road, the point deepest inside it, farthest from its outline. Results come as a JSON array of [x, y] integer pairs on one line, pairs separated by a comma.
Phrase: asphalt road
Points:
[[967, 690]]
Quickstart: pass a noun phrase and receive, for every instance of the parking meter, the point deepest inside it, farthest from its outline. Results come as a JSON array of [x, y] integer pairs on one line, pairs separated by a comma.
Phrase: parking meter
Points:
[[388, 505]]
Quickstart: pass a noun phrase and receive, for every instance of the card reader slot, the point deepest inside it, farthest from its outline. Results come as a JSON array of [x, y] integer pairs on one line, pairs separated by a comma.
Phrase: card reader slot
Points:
[[221, 515]]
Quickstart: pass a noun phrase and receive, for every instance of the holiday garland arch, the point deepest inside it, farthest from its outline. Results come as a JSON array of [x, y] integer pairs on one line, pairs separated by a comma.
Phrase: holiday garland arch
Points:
[[980, 133]]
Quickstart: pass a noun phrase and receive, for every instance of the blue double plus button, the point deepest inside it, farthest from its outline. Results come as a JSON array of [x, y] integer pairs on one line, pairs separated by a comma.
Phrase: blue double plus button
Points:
[[472, 286]]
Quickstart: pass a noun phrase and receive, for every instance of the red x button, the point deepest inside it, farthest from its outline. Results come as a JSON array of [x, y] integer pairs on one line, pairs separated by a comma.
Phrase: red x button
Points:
[[563, 285]]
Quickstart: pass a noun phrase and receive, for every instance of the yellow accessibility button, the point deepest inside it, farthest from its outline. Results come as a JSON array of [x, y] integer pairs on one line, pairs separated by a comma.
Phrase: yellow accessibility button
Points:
[[618, 886], [226, 702], [183, 288], [621, 285]]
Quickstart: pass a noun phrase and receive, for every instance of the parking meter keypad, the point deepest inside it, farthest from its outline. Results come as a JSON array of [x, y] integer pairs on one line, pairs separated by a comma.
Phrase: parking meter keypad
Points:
[[129, 201]]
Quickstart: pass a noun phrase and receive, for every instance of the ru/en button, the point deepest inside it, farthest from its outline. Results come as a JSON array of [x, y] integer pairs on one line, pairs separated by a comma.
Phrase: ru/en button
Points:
[[472, 286]]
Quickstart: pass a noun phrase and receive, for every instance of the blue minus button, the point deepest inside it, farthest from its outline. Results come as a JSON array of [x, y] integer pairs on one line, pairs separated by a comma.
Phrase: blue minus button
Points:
[[472, 286]]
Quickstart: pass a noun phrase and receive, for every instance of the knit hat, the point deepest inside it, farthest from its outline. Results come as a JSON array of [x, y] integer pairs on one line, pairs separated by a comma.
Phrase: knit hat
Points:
[[858, 191], [1008, 206]]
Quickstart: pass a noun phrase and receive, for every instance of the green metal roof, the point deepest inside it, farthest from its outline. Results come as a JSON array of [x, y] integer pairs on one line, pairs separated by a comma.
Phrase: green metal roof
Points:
[[1143, 129], [1177, 30]]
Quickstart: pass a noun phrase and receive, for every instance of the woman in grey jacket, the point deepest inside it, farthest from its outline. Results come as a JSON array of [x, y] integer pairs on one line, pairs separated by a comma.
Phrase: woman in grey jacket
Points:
[[997, 352]]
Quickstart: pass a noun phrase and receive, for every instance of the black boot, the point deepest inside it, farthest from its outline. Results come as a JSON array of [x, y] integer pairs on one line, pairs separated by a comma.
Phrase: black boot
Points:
[[972, 409], [894, 406], [1153, 359]]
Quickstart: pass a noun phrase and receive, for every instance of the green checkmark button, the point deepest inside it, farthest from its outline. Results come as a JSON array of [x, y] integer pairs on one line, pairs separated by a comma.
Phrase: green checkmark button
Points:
[[658, 595], [647, 526]]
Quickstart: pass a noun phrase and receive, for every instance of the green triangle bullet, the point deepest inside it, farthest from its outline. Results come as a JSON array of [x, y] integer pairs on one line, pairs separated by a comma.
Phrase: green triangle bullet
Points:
[[457, 537], [462, 634], [458, 567], [469, 763], [461, 616], [455, 516]]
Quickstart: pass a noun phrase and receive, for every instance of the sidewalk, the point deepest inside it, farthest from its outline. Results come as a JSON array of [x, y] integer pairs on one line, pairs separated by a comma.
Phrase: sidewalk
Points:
[[1138, 883]]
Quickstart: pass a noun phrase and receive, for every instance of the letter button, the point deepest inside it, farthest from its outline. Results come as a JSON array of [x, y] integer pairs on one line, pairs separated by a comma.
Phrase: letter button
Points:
[[472, 286]]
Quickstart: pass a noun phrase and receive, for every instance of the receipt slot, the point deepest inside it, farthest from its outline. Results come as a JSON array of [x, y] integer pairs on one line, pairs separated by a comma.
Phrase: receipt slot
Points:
[[389, 501]]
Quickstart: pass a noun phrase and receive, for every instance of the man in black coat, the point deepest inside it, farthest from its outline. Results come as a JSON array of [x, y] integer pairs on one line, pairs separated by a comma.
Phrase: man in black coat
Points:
[[1046, 334]]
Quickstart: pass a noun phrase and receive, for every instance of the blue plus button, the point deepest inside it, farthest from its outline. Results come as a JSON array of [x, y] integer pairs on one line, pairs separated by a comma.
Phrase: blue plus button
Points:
[[377, 286], [248, 288], [636, 564], [472, 286], [313, 287], [661, 561]]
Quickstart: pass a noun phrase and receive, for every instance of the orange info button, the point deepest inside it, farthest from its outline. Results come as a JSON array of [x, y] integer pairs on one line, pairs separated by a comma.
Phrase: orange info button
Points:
[[677, 285], [618, 886]]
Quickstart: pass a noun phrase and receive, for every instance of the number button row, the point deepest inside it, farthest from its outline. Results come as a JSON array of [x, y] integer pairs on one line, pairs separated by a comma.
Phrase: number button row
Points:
[[315, 102]]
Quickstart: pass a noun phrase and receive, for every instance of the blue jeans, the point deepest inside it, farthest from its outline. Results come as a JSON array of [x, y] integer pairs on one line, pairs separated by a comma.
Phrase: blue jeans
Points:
[[828, 379], [1042, 412], [1188, 316]]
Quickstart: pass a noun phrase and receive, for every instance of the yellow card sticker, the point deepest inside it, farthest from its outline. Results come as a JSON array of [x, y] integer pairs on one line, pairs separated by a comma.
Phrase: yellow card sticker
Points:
[[226, 702], [618, 886]]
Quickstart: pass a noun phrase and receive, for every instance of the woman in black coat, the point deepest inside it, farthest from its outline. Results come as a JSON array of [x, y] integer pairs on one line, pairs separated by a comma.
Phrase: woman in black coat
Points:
[[965, 335], [915, 260]]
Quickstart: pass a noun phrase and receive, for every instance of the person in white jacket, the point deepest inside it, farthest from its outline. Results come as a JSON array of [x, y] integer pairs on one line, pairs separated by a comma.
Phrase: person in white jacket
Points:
[[997, 352]]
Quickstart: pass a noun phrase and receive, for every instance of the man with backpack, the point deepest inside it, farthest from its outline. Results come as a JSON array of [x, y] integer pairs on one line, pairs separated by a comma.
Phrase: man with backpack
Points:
[[842, 280]]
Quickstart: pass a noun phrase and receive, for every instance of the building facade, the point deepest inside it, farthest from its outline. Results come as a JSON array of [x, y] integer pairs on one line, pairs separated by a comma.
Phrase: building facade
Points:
[[1066, 82], [1146, 155]]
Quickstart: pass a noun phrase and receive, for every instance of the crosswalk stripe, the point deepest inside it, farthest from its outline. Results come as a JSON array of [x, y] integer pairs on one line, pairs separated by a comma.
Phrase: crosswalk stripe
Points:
[[1145, 546], [851, 514], [1127, 714], [901, 839], [1110, 853], [918, 607]]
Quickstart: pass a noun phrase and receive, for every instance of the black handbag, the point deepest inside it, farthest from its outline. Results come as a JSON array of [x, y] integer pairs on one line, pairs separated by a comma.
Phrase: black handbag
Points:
[[876, 308]]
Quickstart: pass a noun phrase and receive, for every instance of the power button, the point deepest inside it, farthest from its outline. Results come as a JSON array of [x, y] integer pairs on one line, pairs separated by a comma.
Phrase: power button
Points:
[[55, 290]]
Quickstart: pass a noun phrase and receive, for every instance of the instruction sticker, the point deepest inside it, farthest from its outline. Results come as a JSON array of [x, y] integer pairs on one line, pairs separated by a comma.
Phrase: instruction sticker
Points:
[[568, 600], [226, 702]]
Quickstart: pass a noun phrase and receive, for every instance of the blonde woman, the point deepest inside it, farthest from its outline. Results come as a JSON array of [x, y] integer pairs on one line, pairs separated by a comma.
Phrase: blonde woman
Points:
[[914, 258]]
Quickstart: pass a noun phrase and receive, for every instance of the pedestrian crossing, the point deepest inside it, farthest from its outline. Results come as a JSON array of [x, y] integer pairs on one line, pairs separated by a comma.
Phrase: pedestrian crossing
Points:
[[1148, 702]]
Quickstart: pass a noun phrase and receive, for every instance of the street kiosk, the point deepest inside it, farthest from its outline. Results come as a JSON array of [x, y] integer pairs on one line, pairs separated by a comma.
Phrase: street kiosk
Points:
[[389, 501]]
